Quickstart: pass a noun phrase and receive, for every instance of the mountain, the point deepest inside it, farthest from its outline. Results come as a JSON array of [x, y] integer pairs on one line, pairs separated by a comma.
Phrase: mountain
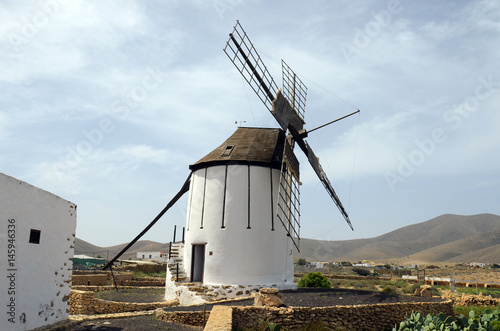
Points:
[[83, 247], [444, 239]]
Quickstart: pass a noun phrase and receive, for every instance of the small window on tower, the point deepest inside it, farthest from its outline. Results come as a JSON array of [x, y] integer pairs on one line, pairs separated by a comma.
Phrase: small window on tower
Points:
[[35, 236], [228, 150]]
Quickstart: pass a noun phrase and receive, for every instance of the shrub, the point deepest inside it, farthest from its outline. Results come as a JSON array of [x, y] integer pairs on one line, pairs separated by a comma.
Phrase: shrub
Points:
[[361, 271], [401, 283], [389, 289], [314, 279], [301, 262], [411, 289]]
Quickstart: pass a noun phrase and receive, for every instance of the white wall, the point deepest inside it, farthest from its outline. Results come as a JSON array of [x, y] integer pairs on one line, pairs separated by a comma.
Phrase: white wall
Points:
[[239, 256], [151, 255], [35, 279]]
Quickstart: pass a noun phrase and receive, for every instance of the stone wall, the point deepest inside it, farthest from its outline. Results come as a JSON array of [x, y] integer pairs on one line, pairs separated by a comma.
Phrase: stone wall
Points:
[[362, 317], [195, 318], [121, 278], [143, 267], [464, 299], [92, 278], [84, 302], [146, 281], [100, 288]]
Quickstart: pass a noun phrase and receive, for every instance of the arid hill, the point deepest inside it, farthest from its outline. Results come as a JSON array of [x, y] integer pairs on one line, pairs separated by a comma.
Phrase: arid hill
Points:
[[444, 239], [83, 247]]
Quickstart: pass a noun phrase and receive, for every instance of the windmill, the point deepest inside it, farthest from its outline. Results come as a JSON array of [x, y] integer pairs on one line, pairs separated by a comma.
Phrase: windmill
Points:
[[243, 215]]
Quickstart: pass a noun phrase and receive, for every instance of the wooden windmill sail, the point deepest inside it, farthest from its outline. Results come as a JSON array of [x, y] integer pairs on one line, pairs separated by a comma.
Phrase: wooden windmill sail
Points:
[[287, 105]]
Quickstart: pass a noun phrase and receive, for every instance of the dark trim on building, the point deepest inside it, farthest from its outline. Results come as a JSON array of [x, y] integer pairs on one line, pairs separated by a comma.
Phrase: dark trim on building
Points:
[[204, 196], [224, 198]]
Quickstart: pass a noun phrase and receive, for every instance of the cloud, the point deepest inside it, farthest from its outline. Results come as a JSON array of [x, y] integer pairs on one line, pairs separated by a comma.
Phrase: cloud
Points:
[[73, 172]]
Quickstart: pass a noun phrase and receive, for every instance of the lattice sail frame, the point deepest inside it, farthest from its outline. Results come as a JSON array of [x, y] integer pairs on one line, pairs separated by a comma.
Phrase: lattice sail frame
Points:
[[255, 72], [288, 211], [294, 90]]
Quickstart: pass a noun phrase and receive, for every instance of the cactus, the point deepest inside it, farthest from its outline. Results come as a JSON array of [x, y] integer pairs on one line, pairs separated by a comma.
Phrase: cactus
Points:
[[488, 321]]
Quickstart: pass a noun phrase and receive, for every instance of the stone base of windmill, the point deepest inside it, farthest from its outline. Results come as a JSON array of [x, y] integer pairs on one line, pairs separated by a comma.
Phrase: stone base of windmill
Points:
[[268, 297]]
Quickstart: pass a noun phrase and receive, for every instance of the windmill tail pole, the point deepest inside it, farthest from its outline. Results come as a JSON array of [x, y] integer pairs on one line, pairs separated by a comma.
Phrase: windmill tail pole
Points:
[[181, 192], [338, 119]]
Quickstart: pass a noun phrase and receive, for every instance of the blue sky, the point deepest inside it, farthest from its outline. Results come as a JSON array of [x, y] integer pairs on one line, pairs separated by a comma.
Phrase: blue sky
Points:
[[106, 104]]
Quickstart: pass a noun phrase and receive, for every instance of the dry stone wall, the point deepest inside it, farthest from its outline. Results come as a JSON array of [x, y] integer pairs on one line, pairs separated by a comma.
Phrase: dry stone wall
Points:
[[195, 318], [143, 267], [93, 278], [362, 317], [84, 302], [96, 280], [464, 299], [146, 281], [100, 288]]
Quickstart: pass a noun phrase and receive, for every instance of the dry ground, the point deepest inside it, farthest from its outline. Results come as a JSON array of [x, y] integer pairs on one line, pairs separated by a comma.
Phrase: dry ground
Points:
[[137, 323]]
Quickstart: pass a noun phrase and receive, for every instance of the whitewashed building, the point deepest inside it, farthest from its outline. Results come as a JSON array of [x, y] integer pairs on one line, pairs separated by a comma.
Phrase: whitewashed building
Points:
[[316, 265], [233, 237], [37, 238], [157, 256]]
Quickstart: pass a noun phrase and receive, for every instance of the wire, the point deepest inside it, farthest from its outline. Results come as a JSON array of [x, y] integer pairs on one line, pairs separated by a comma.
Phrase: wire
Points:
[[312, 82], [248, 100], [353, 164]]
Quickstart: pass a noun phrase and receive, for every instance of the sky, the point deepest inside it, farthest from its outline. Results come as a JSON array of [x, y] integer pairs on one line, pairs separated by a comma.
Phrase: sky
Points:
[[106, 104]]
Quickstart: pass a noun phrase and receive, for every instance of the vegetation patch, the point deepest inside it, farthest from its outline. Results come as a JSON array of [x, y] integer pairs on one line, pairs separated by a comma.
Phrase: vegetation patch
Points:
[[314, 279], [489, 320]]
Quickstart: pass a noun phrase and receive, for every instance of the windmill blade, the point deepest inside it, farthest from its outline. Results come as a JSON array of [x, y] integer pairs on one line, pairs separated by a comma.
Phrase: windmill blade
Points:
[[179, 194], [294, 90], [288, 211], [314, 161], [245, 58], [286, 116]]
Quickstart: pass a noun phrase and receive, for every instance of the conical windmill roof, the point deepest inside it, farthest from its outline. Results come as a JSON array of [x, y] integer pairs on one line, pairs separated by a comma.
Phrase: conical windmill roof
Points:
[[254, 146]]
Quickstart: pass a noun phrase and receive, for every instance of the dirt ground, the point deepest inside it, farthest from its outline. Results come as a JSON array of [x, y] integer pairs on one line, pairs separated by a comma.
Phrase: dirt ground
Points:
[[312, 297], [137, 323]]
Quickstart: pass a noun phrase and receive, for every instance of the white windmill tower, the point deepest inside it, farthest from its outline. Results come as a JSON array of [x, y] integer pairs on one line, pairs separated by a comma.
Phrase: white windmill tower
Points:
[[243, 217]]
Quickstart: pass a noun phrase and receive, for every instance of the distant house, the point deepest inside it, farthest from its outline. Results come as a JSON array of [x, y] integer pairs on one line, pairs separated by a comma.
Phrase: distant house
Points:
[[317, 265], [87, 261], [156, 256], [364, 264]]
